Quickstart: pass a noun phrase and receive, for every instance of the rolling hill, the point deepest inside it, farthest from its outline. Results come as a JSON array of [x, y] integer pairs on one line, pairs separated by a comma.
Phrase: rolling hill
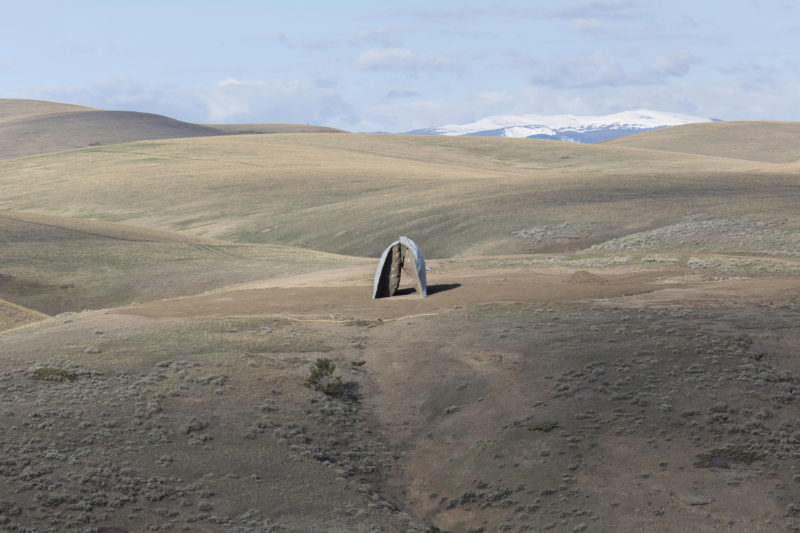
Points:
[[14, 316], [768, 142], [13, 108], [56, 264], [350, 193], [29, 127], [609, 343], [55, 132]]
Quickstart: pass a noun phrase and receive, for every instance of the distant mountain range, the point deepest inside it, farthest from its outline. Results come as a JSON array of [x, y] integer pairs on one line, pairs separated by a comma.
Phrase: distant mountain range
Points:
[[582, 129]]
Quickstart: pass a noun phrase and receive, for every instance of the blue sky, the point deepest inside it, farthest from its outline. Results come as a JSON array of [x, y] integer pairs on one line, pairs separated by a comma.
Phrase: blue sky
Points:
[[372, 66]]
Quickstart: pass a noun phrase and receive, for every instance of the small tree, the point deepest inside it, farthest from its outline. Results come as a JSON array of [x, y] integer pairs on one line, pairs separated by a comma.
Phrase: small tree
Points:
[[321, 378]]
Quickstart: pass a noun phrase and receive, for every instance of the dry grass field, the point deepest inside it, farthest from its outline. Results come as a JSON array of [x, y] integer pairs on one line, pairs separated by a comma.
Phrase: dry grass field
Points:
[[769, 142], [350, 194], [54, 264], [15, 109], [14, 316], [611, 342]]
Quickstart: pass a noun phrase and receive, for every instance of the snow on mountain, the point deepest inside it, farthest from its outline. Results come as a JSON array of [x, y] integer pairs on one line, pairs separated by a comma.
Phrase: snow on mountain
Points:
[[586, 129]]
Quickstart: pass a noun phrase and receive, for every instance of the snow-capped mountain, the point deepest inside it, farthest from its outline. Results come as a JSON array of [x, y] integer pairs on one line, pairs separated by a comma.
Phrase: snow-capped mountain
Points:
[[584, 129]]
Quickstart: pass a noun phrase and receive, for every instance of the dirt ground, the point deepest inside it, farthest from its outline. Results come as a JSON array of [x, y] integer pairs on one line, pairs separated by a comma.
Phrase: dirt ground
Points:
[[539, 399], [346, 292]]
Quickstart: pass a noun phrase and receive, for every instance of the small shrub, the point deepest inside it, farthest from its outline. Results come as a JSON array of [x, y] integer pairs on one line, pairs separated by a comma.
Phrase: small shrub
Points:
[[723, 457], [54, 374], [363, 323], [321, 378], [546, 426]]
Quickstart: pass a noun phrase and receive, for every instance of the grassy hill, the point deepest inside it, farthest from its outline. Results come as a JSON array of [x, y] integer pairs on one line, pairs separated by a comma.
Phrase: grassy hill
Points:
[[768, 142], [55, 264], [352, 194], [636, 371], [13, 315], [12, 108], [76, 129], [29, 127]]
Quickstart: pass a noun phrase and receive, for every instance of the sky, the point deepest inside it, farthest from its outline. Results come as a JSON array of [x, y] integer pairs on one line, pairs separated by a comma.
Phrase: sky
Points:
[[369, 66]]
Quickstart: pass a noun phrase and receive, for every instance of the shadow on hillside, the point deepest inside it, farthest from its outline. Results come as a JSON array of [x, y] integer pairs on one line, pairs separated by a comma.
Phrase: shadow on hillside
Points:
[[351, 392], [432, 289]]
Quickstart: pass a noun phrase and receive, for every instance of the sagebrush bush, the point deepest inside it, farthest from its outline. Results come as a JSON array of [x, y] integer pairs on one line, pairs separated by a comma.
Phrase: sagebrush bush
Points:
[[321, 378]]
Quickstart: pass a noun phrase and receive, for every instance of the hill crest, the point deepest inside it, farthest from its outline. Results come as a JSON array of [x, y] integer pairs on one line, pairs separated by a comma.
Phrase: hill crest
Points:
[[14, 109], [56, 132], [762, 141], [32, 127]]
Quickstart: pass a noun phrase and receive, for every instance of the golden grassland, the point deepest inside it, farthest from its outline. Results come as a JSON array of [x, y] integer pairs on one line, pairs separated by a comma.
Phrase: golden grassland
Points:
[[13, 316], [15, 109], [54, 264], [78, 129], [768, 142], [350, 193]]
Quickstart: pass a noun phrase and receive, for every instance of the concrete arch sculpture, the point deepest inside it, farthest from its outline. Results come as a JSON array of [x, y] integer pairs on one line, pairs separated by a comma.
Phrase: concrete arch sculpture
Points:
[[402, 256]]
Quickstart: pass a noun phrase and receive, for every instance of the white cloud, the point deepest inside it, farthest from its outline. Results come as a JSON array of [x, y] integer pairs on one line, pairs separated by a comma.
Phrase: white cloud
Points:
[[276, 36], [590, 25], [602, 70], [593, 70], [120, 93], [752, 74], [596, 9], [581, 9], [288, 100], [402, 59], [402, 93], [229, 100], [384, 36], [676, 64]]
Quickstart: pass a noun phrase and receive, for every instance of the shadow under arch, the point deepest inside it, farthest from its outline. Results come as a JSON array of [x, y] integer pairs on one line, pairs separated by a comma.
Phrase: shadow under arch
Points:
[[432, 289]]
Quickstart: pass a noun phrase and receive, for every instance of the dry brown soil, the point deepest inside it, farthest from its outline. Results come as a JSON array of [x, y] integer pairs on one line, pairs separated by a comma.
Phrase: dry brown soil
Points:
[[345, 292]]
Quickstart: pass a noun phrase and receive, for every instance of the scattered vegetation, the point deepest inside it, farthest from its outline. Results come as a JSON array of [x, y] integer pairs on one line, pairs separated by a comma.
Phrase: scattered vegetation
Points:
[[545, 426], [723, 457], [364, 323], [321, 378], [54, 374]]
